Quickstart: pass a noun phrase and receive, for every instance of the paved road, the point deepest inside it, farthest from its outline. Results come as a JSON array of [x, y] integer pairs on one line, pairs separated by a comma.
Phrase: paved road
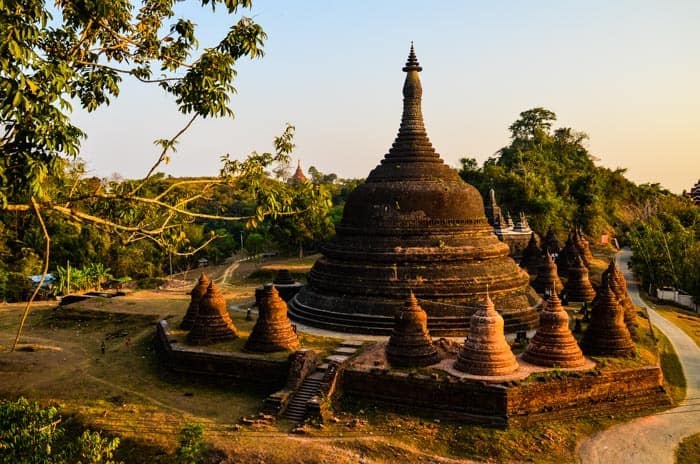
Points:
[[651, 439]]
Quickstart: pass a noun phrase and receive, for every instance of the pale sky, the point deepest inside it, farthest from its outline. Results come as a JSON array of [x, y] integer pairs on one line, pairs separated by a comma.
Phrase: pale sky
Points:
[[625, 72]]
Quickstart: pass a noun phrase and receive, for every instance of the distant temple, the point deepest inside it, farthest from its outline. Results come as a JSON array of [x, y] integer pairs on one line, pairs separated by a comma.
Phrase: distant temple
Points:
[[695, 193], [298, 177], [516, 235]]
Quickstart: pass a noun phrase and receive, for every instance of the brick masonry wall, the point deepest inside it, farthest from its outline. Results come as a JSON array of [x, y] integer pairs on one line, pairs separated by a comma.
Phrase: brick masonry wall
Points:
[[239, 366], [587, 393]]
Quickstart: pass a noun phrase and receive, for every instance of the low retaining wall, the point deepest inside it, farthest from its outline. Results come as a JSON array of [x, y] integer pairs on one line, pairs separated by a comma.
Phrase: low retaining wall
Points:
[[514, 402], [248, 368]]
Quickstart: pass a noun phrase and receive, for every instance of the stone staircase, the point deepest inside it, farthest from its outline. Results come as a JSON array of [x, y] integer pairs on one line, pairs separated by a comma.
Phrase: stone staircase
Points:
[[311, 386]]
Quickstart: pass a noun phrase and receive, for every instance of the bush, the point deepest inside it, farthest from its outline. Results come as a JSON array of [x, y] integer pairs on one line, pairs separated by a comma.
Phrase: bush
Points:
[[192, 446], [32, 434]]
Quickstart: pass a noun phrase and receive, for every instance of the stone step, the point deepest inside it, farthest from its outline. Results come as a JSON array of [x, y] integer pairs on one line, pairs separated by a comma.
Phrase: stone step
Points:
[[315, 376], [345, 350], [352, 343], [322, 367], [296, 410], [339, 358]]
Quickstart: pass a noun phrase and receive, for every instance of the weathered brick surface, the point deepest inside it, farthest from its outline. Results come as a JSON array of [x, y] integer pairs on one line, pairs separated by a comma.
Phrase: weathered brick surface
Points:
[[498, 404], [249, 368]]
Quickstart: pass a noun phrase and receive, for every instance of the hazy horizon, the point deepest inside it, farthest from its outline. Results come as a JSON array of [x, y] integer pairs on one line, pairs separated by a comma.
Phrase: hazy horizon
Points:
[[624, 73]]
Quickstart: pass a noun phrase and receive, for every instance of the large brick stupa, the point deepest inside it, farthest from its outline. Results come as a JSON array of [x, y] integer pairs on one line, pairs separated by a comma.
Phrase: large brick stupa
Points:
[[413, 224]]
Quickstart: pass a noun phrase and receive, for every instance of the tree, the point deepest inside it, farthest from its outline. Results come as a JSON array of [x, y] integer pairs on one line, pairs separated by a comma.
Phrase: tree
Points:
[[80, 51]]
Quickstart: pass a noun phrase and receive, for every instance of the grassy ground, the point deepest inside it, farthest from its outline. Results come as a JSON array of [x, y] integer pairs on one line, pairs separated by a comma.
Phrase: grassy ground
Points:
[[125, 392], [688, 451]]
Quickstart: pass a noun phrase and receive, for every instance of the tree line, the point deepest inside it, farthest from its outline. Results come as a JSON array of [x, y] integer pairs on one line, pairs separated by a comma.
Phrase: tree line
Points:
[[549, 174]]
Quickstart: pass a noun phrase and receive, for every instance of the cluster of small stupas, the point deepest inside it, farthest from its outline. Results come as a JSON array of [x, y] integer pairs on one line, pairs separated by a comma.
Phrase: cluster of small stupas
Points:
[[607, 333], [209, 322]]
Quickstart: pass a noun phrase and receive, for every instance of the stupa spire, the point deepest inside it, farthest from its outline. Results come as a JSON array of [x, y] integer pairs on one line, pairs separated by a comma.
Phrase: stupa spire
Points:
[[412, 61], [412, 140]]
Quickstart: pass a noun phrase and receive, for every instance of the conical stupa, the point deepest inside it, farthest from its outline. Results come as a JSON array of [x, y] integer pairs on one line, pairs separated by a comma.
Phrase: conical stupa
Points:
[[532, 256], [551, 242], [583, 247], [410, 344], [607, 334], [298, 177], [553, 344], [213, 323], [578, 287], [547, 277], [619, 286], [567, 257], [272, 331], [413, 224], [486, 352], [195, 295]]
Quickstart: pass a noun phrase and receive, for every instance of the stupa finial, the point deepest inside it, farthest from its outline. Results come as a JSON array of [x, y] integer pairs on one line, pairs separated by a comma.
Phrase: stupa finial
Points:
[[412, 62]]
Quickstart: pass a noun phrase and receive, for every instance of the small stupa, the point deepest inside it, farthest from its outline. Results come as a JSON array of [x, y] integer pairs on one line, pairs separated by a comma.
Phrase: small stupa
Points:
[[607, 334], [553, 344], [578, 287], [583, 247], [485, 351], [567, 257], [410, 344], [551, 242], [213, 323], [196, 294], [547, 277], [532, 256], [272, 331], [619, 286]]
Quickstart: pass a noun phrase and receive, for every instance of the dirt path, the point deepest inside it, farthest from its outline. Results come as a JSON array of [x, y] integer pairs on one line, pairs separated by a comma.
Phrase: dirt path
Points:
[[652, 439]]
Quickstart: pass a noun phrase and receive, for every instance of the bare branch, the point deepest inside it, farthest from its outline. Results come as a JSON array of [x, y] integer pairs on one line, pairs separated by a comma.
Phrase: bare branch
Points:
[[161, 158], [44, 271]]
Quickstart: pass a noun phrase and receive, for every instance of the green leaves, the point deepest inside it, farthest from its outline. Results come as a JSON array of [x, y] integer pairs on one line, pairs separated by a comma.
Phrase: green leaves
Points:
[[31, 434], [85, 55]]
